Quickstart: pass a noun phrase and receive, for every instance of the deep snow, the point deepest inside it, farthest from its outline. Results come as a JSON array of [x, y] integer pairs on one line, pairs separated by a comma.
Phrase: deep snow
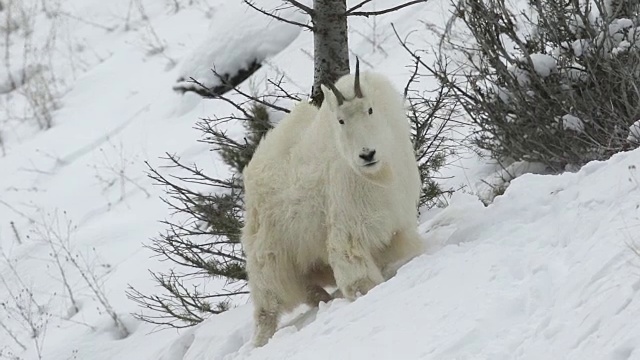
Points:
[[546, 271]]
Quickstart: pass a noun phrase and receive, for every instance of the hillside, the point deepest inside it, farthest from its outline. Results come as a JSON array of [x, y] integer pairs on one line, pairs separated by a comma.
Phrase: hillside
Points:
[[547, 271], [550, 276]]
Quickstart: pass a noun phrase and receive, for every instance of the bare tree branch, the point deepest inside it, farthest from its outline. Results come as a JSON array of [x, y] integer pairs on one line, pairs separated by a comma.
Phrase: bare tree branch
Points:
[[350, 12], [249, 97], [358, 6], [418, 59], [301, 6], [414, 74], [207, 91], [278, 85], [279, 18]]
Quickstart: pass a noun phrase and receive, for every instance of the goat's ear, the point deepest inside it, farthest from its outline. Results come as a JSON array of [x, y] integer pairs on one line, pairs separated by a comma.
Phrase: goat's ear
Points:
[[329, 97]]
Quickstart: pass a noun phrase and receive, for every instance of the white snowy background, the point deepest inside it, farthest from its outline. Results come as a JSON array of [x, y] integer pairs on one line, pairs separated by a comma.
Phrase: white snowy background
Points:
[[547, 271]]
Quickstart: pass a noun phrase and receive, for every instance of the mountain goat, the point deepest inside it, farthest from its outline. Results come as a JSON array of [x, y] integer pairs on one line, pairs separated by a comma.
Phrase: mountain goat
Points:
[[331, 197]]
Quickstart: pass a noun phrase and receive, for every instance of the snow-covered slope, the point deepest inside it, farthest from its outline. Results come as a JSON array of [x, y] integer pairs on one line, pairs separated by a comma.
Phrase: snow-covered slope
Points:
[[545, 272]]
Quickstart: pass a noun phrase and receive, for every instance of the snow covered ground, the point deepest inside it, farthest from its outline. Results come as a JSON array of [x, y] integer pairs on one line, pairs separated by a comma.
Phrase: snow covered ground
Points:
[[545, 272]]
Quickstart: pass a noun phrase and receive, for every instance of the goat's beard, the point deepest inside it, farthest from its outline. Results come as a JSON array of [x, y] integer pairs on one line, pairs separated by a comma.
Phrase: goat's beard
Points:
[[382, 175]]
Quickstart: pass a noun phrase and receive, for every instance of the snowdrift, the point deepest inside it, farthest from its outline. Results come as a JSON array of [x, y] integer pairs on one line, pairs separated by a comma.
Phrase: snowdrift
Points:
[[229, 49]]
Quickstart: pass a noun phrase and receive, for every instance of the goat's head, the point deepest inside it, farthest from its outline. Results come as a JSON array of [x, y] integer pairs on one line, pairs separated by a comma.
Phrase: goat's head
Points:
[[362, 134]]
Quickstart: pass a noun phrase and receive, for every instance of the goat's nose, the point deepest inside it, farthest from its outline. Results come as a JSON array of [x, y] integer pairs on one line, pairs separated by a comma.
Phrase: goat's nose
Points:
[[367, 155]]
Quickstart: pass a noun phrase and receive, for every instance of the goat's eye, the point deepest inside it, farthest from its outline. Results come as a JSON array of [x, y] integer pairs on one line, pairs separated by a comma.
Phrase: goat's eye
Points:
[[341, 122], [370, 111]]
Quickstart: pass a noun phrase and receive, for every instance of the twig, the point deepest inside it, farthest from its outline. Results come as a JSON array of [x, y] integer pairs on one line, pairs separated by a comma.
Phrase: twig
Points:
[[279, 18], [88, 22], [356, 7], [15, 232], [63, 238], [12, 335], [385, 11], [414, 74], [235, 88], [279, 86], [2, 202]]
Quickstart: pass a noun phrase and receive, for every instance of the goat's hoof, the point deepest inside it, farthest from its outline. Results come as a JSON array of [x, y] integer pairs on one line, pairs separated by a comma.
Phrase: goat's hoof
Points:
[[317, 295], [358, 288], [260, 341]]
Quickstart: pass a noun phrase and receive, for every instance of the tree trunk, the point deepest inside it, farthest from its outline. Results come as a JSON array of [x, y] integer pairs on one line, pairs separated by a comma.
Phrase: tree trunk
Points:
[[331, 46]]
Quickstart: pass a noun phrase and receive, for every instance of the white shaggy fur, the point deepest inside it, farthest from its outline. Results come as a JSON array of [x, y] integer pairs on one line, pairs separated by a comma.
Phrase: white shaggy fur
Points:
[[318, 213]]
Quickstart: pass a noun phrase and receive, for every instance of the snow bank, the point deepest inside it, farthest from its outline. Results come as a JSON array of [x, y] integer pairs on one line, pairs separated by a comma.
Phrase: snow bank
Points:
[[230, 48], [545, 272]]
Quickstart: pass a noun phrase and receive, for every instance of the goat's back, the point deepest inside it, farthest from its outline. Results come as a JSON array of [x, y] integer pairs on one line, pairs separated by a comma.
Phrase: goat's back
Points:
[[281, 188], [279, 142]]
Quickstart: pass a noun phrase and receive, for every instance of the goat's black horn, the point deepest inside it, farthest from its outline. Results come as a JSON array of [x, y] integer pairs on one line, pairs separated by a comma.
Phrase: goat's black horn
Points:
[[337, 93], [356, 85]]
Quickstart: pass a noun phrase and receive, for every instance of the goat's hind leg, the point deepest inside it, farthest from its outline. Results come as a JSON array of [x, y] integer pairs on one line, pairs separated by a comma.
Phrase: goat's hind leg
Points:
[[316, 294], [276, 287], [268, 308], [317, 278], [268, 301]]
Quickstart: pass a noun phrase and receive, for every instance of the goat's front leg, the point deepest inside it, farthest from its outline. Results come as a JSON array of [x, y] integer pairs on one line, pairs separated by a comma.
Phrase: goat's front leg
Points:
[[405, 245], [353, 267]]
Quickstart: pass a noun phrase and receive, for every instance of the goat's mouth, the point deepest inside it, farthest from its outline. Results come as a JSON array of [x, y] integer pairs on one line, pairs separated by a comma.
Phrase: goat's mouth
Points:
[[370, 164]]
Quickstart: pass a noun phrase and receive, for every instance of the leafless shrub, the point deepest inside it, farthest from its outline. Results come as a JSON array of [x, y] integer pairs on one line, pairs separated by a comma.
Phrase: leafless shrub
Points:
[[53, 238], [113, 170], [563, 94], [435, 117], [22, 309], [33, 79], [41, 96], [57, 234], [153, 44], [432, 114]]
